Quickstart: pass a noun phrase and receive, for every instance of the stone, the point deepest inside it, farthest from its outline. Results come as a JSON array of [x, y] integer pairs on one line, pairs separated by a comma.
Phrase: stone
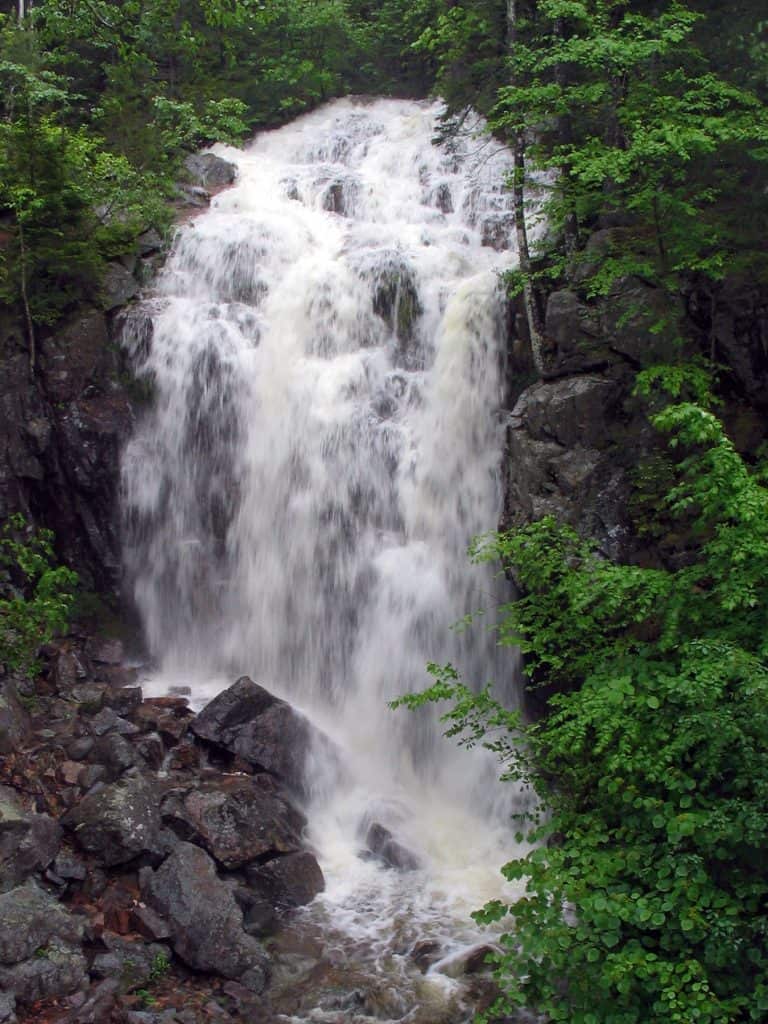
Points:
[[286, 882], [124, 699], [149, 242], [80, 748], [425, 953], [118, 822], [206, 923], [572, 411], [267, 732], [7, 1008], [69, 868], [209, 171], [131, 962], [103, 721], [234, 820], [14, 720], [28, 841], [115, 754], [118, 286], [149, 924], [385, 848], [90, 697], [97, 1005], [30, 919], [89, 775], [106, 652], [152, 749], [56, 969]]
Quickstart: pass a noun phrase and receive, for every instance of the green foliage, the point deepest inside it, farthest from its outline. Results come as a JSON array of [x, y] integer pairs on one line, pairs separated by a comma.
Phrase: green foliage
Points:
[[646, 894], [161, 965], [36, 596]]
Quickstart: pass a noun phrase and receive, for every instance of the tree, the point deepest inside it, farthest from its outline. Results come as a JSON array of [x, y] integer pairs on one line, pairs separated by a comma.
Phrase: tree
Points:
[[646, 895]]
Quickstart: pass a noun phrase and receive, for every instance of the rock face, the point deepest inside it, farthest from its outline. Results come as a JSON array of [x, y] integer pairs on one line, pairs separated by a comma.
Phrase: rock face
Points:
[[206, 923], [287, 882], [267, 732], [14, 721]]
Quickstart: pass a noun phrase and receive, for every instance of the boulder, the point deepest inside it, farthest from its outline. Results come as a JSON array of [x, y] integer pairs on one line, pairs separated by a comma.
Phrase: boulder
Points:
[[56, 969], [205, 921], [132, 963], [235, 819], [287, 882], [571, 411], [209, 171], [14, 721], [118, 822], [30, 919], [28, 841], [265, 731], [385, 848]]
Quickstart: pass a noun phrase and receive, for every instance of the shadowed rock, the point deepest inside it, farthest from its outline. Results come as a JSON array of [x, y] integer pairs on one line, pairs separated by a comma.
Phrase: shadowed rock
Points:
[[205, 921], [287, 882], [28, 842], [118, 822]]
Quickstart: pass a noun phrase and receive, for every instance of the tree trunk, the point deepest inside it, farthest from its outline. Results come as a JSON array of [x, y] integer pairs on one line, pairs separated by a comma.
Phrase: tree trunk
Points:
[[532, 314], [25, 300]]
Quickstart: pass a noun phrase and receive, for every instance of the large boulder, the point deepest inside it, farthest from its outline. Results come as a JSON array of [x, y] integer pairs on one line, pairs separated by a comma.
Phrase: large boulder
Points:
[[236, 819], [28, 841], [287, 882], [264, 730], [209, 171], [40, 946], [119, 821], [206, 922]]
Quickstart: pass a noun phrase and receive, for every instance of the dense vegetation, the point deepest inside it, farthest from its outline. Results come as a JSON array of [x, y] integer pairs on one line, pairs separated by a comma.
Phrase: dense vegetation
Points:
[[647, 895]]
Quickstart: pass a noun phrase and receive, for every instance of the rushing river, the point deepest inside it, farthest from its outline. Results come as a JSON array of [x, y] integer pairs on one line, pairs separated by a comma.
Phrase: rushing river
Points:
[[325, 438]]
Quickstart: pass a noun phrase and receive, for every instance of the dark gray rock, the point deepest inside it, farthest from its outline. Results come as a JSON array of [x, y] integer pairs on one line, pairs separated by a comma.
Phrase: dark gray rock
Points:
[[235, 819], [106, 652], [132, 963], [267, 732], [14, 720], [206, 922], [286, 882], [91, 774], [115, 754], [98, 1004], [28, 841], [30, 919], [385, 848], [118, 286], [124, 699], [56, 969], [7, 1008], [69, 868], [103, 721], [209, 171], [118, 822], [80, 748]]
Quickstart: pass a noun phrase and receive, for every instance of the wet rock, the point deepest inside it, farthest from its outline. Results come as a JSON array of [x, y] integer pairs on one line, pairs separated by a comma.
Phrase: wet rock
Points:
[[91, 774], [286, 882], [69, 868], [152, 749], [89, 697], [118, 822], [149, 924], [206, 922], [267, 732], [28, 841], [14, 721], [149, 242], [209, 171], [570, 412], [425, 953], [234, 820], [388, 850], [573, 339]]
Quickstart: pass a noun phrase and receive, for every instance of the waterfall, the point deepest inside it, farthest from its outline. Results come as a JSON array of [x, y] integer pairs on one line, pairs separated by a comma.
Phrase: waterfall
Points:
[[325, 347]]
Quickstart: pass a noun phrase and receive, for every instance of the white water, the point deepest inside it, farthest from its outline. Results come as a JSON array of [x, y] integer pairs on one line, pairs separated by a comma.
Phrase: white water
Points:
[[326, 352]]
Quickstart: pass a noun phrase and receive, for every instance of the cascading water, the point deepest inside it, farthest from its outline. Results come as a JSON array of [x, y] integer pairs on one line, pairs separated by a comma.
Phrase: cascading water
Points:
[[325, 347]]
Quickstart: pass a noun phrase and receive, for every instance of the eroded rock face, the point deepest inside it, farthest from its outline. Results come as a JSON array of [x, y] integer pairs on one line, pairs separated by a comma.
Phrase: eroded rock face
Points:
[[209, 171], [30, 919], [287, 882], [14, 720], [205, 920], [119, 821], [249, 721], [235, 819]]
